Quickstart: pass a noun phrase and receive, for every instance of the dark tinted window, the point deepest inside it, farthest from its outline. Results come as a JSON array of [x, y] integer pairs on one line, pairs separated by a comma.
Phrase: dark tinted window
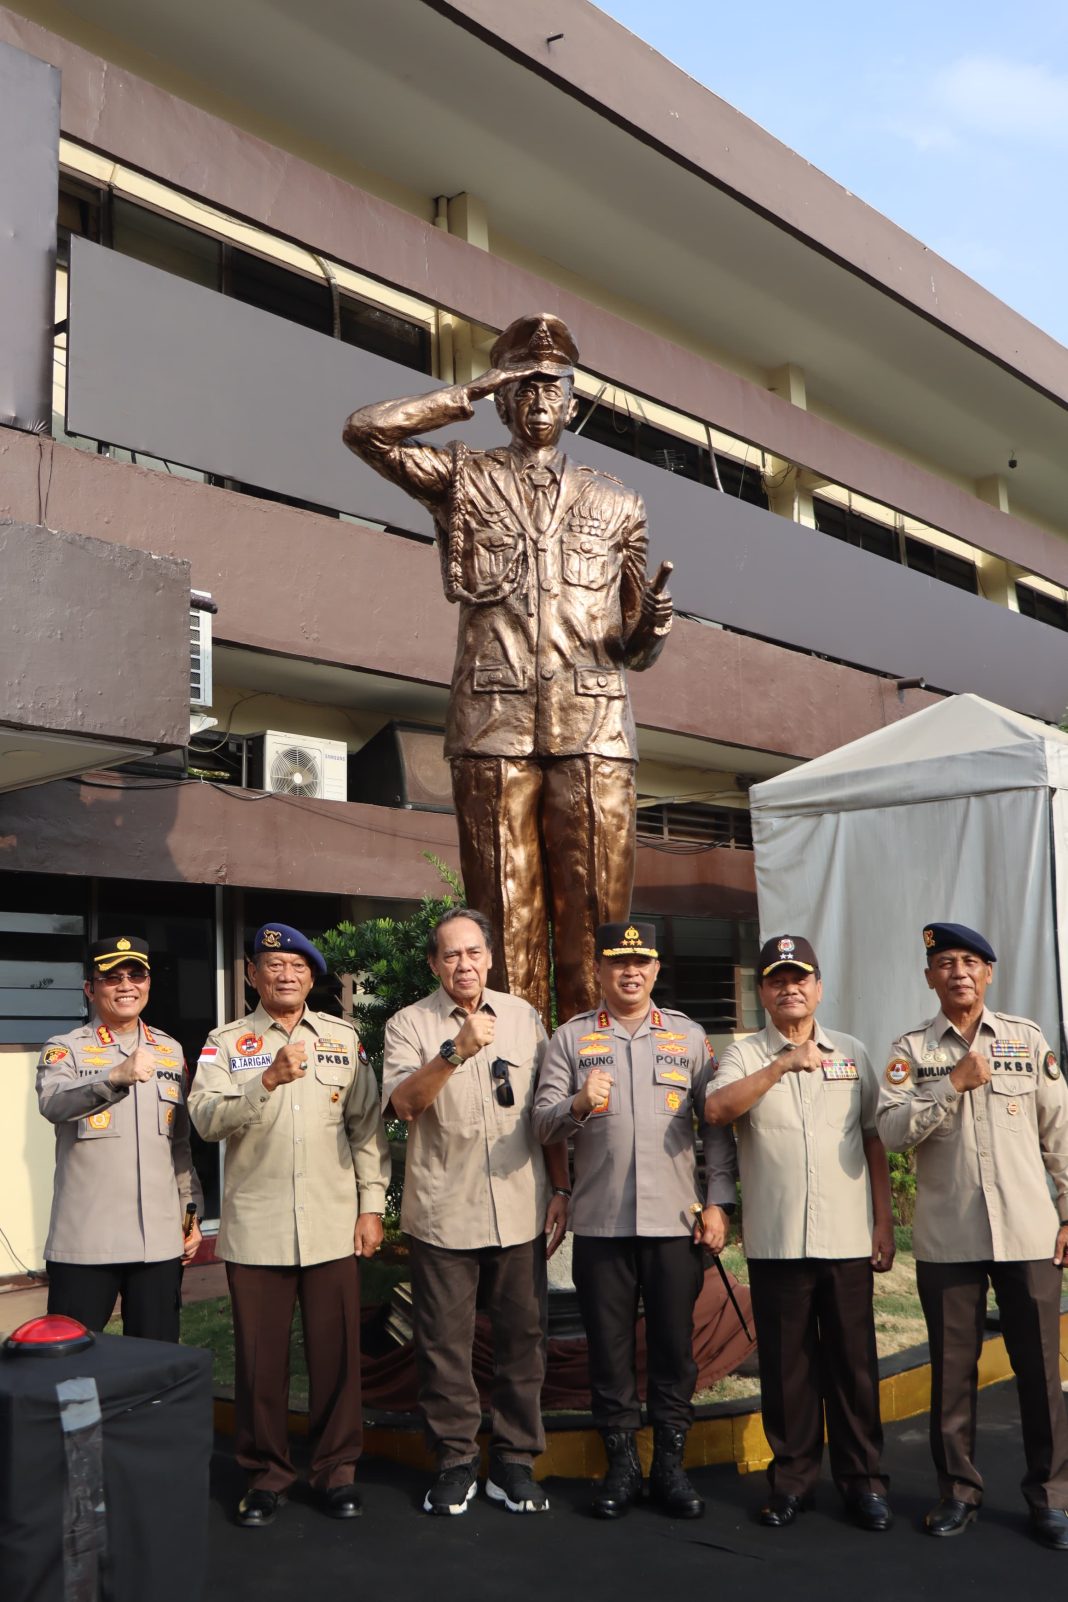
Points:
[[1044, 608]]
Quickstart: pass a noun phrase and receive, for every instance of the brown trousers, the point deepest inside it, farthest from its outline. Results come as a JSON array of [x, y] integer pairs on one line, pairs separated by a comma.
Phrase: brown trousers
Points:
[[263, 1301], [815, 1334], [509, 1283], [953, 1296], [546, 840]]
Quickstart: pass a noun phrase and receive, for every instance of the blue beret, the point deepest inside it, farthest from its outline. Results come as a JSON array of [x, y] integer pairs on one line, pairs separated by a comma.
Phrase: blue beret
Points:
[[956, 937], [280, 937]]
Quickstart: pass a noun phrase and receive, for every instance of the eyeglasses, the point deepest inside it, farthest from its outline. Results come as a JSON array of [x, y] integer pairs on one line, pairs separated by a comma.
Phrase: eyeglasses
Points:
[[499, 1071], [120, 977]]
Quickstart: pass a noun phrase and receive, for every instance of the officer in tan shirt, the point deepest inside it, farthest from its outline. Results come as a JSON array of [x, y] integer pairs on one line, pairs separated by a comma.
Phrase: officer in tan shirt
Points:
[[115, 1091], [307, 1166], [460, 1067], [817, 1222], [981, 1097], [624, 1081]]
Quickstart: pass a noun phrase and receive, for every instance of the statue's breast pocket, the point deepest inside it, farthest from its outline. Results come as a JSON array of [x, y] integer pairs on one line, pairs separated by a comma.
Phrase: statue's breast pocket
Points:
[[494, 545], [588, 552]]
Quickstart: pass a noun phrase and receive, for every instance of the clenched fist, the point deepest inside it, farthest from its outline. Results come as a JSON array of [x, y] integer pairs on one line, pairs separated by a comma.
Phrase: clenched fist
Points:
[[971, 1072], [594, 1093], [135, 1069], [291, 1063], [478, 1031], [804, 1059]]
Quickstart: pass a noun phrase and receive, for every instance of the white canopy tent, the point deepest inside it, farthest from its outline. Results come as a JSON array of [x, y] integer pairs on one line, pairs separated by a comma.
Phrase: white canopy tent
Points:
[[957, 814]]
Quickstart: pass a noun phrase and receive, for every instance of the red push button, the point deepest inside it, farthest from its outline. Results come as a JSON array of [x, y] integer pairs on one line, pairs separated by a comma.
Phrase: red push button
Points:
[[51, 1335]]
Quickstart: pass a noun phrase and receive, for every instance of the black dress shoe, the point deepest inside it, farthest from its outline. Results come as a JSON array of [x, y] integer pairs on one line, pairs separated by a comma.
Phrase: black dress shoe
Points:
[[1050, 1525], [258, 1509], [780, 1510], [869, 1510], [950, 1517], [342, 1502]]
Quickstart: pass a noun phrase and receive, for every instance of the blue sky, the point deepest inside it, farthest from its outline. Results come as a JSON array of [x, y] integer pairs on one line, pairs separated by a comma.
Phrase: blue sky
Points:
[[949, 116]]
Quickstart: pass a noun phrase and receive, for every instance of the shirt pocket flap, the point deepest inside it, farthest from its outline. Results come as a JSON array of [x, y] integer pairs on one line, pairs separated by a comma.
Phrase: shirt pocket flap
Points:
[[332, 1073], [677, 1074], [497, 678], [1004, 1084], [599, 681], [169, 1090]]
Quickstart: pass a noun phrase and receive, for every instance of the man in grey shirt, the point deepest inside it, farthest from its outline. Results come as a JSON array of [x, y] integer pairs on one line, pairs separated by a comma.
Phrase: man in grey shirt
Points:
[[624, 1082]]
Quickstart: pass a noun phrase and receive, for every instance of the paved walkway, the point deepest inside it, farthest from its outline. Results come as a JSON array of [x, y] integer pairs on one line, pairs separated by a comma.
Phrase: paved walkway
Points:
[[487, 1555], [16, 1306]]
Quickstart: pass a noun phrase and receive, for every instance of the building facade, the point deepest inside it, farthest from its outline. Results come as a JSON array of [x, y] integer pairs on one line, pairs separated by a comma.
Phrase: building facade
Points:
[[255, 218]]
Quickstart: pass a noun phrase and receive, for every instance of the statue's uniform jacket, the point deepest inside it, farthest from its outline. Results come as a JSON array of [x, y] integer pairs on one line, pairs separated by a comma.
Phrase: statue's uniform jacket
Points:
[[549, 621]]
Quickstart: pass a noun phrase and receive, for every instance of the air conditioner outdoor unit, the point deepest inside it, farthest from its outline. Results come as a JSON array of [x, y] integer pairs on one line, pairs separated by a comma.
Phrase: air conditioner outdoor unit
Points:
[[297, 764]]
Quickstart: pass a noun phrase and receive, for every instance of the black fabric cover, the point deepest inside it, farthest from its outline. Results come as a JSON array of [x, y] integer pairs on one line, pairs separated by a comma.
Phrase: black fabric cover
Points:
[[156, 1412]]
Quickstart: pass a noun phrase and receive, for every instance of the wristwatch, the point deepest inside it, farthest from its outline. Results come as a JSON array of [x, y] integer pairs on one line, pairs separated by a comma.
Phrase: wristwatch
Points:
[[558, 1190], [448, 1053]]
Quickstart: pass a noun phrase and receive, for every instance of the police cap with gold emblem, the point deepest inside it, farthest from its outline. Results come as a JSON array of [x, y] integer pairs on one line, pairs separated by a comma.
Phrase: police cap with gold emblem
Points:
[[786, 951], [280, 937], [108, 953], [627, 940], [542, 341], [956, 937]]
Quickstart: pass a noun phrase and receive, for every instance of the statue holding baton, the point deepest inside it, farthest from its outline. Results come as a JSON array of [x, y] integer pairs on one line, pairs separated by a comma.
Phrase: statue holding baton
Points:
[[546, 560]]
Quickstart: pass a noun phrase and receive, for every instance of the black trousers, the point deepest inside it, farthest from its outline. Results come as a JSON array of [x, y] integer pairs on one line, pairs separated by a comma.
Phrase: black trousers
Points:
[[610, 1273], [447, 1287], [151, 1295], [815, 1334], [953, 1296]]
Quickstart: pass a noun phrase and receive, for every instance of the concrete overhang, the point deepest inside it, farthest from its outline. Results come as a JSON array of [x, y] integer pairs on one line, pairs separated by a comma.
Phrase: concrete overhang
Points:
[[597, 154], [94, 654]]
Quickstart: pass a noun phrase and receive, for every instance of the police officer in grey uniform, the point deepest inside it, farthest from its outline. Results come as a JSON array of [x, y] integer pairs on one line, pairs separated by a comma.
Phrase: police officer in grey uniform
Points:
[[624, 1081], [981, 1097], [115, 1091]]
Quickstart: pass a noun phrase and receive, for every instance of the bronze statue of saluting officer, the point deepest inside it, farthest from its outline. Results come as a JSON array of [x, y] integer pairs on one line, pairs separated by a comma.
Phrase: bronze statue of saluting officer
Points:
[[547, 561]]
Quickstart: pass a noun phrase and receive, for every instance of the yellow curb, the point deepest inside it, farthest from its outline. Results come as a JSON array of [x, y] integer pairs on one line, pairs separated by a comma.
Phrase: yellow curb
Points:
[[727, 1438]]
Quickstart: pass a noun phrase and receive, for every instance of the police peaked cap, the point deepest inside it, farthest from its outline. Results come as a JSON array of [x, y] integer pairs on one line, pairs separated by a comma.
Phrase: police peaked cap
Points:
[[107, 954], [626, 940], [956, 937], [280, 937], [542, 342]]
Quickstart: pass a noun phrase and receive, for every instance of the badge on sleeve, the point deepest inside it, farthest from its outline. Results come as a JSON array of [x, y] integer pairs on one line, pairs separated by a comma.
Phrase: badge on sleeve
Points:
[[54, 1054], [362, 1053], [898, 1071], [1050, 1065]]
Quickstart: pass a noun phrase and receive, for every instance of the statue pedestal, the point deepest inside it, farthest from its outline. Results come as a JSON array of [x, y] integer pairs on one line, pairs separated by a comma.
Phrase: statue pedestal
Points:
[[565, 1320]]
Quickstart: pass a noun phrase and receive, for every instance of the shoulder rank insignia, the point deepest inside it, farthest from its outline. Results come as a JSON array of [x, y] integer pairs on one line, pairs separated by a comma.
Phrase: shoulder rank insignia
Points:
[[104, 1035], [656, 1019], [603, 1020], [1049, 1063], [150, 1039], [898, 1071]]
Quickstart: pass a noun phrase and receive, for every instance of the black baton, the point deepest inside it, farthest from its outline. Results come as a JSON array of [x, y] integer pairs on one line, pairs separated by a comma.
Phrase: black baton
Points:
[[730, 1292]]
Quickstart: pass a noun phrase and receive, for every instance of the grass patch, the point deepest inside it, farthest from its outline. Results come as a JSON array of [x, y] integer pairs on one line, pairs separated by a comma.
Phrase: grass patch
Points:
[[209, 1325], [899, 1320]]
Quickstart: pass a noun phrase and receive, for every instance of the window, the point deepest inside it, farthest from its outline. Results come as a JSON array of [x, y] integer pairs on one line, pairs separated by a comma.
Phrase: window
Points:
[[942, 565], [843, 523], [42, 956], [696, 822], [706, 968], [674, 454], [1042, 607]]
